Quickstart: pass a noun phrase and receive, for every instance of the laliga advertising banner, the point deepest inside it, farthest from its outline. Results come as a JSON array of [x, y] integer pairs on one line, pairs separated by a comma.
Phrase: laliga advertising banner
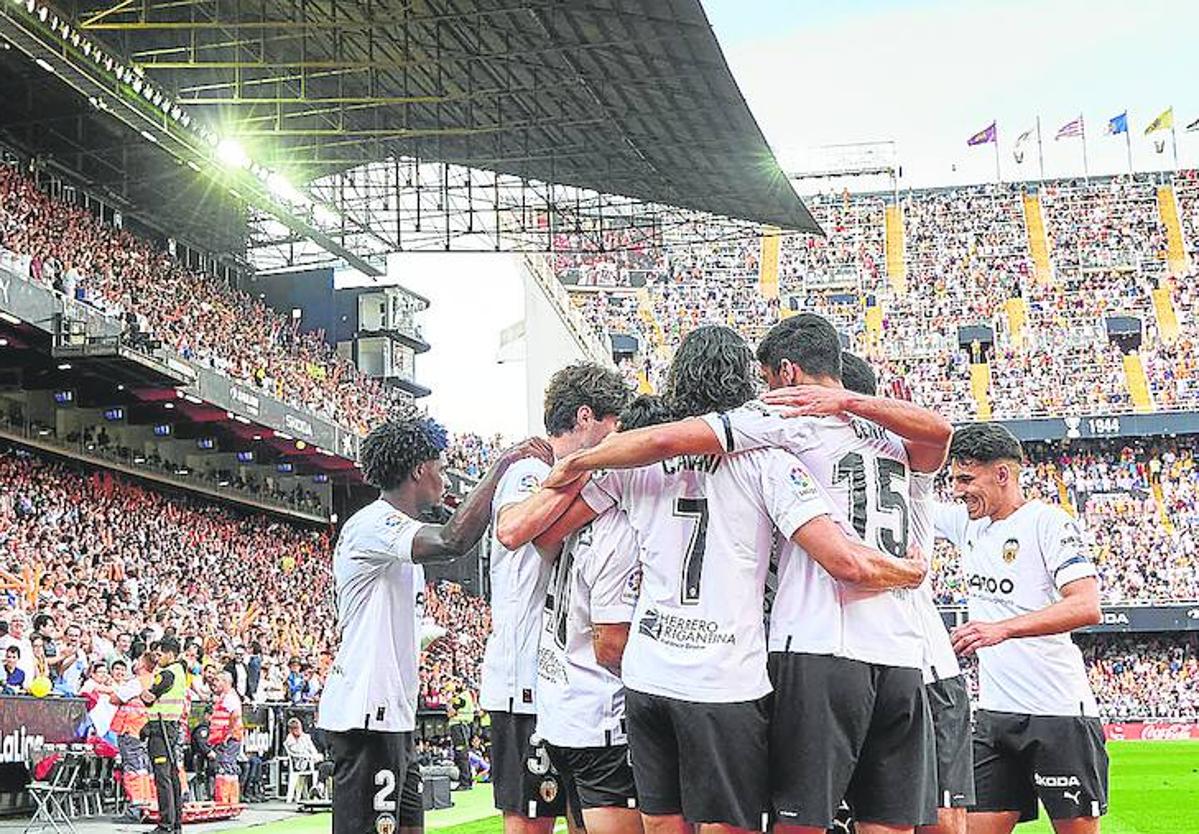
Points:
[[1152, 731]]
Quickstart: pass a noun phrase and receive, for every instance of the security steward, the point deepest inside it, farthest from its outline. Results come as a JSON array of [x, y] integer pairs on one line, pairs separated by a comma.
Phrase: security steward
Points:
[[165, 701], [461, 723]]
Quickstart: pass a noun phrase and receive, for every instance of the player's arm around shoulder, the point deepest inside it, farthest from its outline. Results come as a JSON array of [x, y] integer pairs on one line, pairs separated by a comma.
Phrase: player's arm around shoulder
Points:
[[638, 447], [526, 508], [443, 542], [803, 513]]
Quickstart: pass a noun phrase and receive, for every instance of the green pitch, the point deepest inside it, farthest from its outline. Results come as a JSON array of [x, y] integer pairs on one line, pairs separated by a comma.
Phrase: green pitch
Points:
[[1154, 785]]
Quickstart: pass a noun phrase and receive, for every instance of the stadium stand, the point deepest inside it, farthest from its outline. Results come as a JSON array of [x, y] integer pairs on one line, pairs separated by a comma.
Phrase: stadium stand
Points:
[[969, 261], [68, 249]]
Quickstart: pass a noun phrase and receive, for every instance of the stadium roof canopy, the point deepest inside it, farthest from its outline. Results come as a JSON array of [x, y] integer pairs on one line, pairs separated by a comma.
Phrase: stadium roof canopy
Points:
[[609, 97]]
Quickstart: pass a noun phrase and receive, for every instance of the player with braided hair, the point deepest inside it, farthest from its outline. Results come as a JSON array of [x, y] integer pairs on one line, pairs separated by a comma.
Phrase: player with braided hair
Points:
[[368, 706]]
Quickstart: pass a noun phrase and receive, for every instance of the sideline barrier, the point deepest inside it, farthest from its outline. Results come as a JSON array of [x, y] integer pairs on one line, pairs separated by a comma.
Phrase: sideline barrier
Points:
[[1151, 731]]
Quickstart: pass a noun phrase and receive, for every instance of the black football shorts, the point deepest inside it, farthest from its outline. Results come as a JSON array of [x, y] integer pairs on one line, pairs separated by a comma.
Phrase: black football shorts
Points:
[[369, 773], [601, 776], [843, 729], [1059, 759], [708, 762], [949, 703], [523, 778]]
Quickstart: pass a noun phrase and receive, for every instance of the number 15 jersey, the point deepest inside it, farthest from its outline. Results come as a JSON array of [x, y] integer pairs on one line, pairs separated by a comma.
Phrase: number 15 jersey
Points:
[[864, 470], [707, 526]]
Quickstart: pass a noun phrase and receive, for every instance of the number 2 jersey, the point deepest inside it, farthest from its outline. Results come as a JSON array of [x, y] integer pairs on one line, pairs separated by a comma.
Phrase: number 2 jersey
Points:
[[864, 471], [595, 580], [707, 526]]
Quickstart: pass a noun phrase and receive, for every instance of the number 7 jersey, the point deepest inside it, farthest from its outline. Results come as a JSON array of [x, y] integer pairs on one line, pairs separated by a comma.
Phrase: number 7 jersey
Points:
[[864, 470], [707, 527]]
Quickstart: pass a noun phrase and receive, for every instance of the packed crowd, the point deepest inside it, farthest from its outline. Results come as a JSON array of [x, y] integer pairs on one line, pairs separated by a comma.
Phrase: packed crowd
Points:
[[966, 254], [1139, 504], [471, 454], [68, 249], [1143, 676], [117, 566], [120, 566]]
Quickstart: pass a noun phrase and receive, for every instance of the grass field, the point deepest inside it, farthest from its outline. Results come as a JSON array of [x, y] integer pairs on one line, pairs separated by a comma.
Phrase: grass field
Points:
[[1154, 790]]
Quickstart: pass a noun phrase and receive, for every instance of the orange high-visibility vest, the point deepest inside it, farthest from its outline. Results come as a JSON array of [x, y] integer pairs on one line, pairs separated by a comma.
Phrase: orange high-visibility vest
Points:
[[225, 721]]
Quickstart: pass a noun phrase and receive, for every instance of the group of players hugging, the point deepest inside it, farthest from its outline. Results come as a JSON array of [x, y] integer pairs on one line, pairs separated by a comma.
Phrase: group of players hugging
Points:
[[712, 609]]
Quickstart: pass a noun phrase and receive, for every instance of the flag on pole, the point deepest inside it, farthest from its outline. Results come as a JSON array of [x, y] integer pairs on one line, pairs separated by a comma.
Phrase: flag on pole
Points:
[[984, 136], [1193, 125], [1163, 122], [1118, 124], [1021, 140], [1069, 129]]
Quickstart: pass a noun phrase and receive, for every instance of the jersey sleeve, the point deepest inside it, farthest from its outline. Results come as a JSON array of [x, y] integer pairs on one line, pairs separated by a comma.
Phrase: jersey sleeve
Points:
[[756, 426], [603, 491], [1066, 557], [949, 522], [614, 574], [388, 540], [921, 493], [790, 493], [522, 479]]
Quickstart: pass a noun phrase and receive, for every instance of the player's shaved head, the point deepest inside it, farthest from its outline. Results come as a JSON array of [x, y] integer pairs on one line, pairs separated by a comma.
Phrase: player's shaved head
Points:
[[857, 375], [807, 342], [711, 371], [985, 443]]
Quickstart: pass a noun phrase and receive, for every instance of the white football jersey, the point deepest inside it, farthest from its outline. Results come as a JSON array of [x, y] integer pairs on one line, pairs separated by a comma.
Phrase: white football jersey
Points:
[[939, 660], [864, 471], [579, 702], [1013, 566], [706, 526], [518, 582], [373, 683]]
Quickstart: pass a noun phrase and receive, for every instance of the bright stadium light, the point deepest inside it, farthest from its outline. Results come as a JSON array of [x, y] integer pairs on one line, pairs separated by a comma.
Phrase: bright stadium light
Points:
[[185, 119], [231, 154], [282, 188], [41, 62], [325, 216], [43, 13], [147, 135], [137, 84]]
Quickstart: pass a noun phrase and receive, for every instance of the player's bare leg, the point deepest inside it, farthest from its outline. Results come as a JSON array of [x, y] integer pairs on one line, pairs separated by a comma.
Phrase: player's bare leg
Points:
[[779, 828], [991, 822], [515, 823], [949, 821], [666, 824], [881, 828], [722, 828], [612, 820], [1080, 825]]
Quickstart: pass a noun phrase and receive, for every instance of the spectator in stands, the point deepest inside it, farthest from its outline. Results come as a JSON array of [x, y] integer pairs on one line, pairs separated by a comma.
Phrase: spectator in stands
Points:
[[16, 638], [71, 665], [239, 671], [14, 675]]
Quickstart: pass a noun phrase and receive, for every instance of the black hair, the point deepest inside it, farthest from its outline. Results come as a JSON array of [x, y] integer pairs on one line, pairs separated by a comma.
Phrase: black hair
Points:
[[808, 341], [168, 644], [578, 385], [39, 622], [393, 450], [985, 443], [645, 410], [712, 371], [14, 648], [117, 663], [857, 375]]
